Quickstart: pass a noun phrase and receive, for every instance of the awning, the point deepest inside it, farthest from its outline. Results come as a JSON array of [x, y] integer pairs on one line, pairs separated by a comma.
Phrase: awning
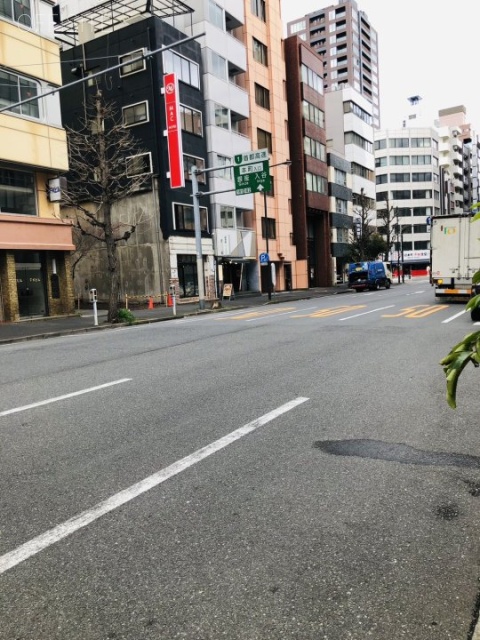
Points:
[[25, 233]]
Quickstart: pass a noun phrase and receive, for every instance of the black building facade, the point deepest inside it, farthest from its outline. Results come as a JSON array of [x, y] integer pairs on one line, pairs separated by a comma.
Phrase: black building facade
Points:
[[161, 252]]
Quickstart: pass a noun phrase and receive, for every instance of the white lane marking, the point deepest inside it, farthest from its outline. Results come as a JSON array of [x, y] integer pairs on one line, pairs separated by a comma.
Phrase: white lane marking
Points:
[[357, 315], [457, 315], [414, 293], [47, 539], [58, 398]]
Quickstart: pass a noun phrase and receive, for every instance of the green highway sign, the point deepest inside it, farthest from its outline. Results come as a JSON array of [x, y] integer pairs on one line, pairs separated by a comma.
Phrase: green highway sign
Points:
[[252, 177], [252, 156]]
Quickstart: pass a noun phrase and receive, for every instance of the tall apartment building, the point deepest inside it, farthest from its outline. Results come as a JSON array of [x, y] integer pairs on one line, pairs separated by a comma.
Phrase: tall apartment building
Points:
[[459, 161], [308, 152], [408, 179], [343, 36], [162, 251], [35, 245]]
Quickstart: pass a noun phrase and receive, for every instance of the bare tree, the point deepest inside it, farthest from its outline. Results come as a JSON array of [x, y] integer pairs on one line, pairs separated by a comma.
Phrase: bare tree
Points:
[[366, 243], [389, 224], [103, 171]]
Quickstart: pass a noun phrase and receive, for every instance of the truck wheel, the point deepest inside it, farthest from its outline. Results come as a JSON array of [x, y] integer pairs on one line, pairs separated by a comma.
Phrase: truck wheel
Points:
[[387, 284], [475, 314]]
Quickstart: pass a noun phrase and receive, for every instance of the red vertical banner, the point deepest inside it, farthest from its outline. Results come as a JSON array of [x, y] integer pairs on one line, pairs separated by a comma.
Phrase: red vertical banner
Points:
[[174, 131]]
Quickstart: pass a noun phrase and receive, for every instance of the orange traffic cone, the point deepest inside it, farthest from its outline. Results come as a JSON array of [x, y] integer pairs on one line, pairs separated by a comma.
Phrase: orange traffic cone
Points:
[[150, 302], [169, 301]]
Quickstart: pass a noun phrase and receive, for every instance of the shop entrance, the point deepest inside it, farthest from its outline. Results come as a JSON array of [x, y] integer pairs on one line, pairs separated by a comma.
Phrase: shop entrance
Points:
[[30, 284]]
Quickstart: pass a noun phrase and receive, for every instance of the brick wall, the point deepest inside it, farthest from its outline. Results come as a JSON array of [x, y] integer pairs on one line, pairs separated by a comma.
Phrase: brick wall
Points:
[[9, 286]]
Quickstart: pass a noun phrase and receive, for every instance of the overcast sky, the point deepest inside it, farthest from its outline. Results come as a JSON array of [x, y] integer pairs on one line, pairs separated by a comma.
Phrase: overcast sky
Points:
[[426, 47]]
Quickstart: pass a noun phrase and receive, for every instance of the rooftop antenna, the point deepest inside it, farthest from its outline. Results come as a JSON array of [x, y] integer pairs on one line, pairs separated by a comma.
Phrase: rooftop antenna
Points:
[[414, 100]]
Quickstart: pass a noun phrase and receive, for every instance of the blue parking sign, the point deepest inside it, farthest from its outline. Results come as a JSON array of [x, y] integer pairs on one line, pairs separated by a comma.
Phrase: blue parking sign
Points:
[[264, 258]]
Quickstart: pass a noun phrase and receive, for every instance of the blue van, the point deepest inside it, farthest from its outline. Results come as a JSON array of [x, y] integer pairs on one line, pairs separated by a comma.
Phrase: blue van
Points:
[[369, 275]]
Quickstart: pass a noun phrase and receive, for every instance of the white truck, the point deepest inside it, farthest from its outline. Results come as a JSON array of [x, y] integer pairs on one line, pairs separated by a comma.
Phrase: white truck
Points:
[[455, 255]]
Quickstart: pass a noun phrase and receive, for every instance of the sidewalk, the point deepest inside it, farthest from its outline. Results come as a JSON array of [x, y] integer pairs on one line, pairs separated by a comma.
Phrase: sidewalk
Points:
[[82, 321]]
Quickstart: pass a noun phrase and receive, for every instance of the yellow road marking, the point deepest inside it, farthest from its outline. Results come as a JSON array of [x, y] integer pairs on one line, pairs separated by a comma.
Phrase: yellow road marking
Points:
[[419, 311], [325, 313], [258, 314]]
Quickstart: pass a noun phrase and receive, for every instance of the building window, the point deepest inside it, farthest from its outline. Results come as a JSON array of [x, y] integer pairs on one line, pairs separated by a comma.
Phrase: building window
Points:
[[314, 148], [353, 138], [364, 172], [133, 67], [221, 117], [15, 88], [422, 159], [18, 10], [419, 194], [260, 52], [341, 206], [381, 162], [193, 161], [380, 144], [381, 179], [312, 79], [422, 245], [223, 161], [315, 183], [422, 177], [185, 70], [399, 177], [396, 143], [219, 66], [269, 227], [215, 14], [191, 120], [313, 114], [264, 140], [184, 219], [352, 107], [399, 160], [226, 217], [422, 211], [262, 96], [135, 114], [421, 142], [17, 192], [420, 228], [405, 194], [340, 177], [258, 9], [139, 165]]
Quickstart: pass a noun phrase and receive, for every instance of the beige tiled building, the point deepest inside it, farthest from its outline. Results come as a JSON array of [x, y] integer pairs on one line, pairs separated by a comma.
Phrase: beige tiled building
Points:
[[267, 127], [35, 245]]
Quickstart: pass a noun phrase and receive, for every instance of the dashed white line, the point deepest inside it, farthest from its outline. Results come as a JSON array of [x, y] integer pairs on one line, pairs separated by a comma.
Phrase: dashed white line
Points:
[[457, 315], [64, 397], [365, 313], [49, 538]]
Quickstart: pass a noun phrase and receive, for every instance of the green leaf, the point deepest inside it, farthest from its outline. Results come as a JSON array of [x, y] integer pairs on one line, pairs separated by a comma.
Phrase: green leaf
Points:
[[453, 374], [475, 217], [473, 303], [476, 277]]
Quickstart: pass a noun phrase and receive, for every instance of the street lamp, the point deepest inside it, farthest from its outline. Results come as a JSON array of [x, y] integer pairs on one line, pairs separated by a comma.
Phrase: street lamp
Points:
[[287, 163]]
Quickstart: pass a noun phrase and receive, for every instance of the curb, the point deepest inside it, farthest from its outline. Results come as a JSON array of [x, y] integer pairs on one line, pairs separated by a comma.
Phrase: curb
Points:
[[65, 332]]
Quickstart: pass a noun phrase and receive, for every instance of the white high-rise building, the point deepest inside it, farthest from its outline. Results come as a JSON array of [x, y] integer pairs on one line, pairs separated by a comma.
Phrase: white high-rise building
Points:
[[408, 181]]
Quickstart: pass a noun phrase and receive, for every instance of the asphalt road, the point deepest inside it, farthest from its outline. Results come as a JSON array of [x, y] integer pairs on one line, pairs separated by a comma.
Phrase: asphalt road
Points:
[[290, 471]]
